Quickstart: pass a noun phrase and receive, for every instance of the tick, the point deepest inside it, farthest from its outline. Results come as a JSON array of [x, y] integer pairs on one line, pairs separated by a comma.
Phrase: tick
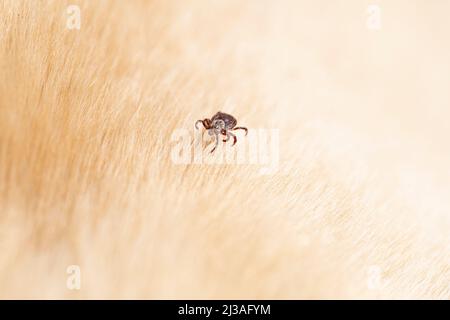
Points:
[[221, 123]]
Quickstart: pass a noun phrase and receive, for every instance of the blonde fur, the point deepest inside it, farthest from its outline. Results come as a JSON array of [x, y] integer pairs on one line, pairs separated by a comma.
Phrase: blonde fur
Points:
[[359, 207]]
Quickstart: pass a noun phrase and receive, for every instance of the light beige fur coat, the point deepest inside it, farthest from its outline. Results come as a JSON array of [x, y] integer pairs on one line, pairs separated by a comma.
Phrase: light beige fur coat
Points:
[[93, 204]]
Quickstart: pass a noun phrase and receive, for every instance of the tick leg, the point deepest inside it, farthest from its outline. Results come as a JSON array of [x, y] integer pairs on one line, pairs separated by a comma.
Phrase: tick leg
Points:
[[234, 137], [227, 138], [217, 142], [197, 123], [241, 128]]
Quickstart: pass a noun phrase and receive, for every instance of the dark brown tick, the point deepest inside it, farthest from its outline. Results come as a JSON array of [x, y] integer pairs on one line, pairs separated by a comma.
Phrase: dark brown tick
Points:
[[221, 123]]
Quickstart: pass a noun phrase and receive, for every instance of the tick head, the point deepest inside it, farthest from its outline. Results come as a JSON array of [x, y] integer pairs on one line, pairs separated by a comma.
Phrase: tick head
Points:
[[219, 124]]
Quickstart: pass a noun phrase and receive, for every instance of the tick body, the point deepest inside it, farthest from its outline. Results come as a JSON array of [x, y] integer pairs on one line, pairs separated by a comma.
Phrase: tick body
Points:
[[221, 124]]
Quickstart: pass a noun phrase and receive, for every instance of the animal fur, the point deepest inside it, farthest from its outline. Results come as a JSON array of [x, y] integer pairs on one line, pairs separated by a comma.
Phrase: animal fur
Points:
[[359, 207]]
